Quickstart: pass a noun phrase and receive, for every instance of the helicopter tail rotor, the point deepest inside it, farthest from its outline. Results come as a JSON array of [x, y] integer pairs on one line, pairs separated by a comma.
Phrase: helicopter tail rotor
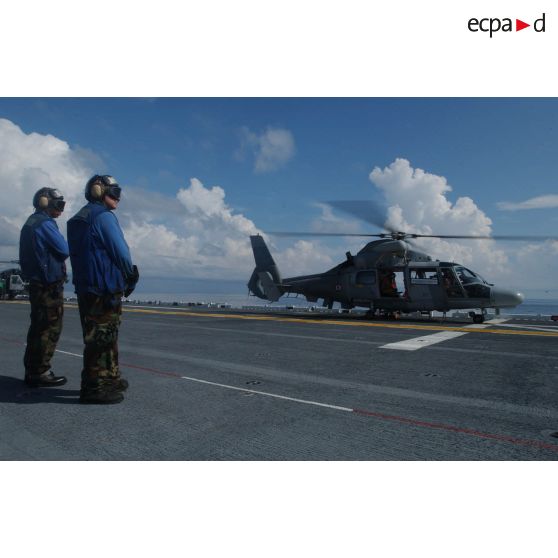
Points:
[[265, 281]]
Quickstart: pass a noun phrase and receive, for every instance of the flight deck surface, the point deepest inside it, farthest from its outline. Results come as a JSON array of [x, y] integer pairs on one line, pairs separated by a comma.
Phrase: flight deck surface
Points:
[[234, 385]]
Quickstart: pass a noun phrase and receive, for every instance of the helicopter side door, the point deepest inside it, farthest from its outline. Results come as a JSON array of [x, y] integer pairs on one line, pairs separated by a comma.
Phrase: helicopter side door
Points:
[[425, 291]]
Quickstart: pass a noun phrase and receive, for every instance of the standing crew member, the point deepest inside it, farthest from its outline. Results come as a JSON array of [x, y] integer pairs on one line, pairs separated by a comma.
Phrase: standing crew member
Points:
[[102, 272], [42, 251]]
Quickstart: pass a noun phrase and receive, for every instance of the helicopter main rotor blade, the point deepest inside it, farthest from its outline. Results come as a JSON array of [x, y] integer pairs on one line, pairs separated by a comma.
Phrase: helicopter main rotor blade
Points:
[[298, 234], [495, 237], [376, 214], [366, 210], [526, 238], [397, 235]]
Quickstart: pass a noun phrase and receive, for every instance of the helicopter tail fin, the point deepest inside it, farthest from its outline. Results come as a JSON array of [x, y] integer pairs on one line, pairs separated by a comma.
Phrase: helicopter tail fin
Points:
[[265, 281]]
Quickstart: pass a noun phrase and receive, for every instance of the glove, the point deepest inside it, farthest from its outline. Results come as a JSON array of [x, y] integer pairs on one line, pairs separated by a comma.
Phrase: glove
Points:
[[132, 281]]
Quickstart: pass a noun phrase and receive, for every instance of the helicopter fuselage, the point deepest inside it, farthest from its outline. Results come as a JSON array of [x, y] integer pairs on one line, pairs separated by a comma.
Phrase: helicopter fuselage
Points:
[[414, 286], [385, 275]]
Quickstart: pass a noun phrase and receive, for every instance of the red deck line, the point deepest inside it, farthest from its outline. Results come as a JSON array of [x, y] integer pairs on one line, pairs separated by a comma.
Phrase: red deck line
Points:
[[460, 430]]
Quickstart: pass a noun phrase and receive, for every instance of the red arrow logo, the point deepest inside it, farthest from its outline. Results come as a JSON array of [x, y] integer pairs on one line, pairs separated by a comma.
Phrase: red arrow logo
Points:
[[519, 25]]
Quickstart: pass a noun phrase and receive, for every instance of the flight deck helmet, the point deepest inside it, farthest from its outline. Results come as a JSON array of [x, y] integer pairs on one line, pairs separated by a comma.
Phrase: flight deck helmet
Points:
[[48, 198], [99, 186]]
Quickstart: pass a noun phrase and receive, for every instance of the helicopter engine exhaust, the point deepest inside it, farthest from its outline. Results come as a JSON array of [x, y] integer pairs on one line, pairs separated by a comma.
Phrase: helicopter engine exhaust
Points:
[[265, 281]]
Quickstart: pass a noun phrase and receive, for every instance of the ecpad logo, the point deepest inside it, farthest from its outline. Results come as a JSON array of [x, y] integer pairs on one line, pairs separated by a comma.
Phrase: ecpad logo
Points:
[[494, 24]]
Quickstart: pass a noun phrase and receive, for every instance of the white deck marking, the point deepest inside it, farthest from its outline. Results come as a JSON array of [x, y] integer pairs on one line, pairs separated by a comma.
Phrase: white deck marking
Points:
[[427, 340], [550, 328], [305, 401], [423, 341], [67, 353], [487, 323]]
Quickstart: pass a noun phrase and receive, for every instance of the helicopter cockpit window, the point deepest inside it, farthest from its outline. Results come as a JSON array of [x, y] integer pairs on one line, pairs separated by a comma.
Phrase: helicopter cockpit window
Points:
[[366, 278], [475, 286], [450, 283], [423, 276], [467, 276]]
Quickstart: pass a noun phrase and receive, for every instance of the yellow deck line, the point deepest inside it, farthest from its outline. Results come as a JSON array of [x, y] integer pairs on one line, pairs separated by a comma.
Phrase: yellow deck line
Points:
[[425, 327]]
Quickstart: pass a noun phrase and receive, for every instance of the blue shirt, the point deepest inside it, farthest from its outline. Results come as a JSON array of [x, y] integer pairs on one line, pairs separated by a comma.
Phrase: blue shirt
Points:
[[107, 228], [100, 256], [42, 249]]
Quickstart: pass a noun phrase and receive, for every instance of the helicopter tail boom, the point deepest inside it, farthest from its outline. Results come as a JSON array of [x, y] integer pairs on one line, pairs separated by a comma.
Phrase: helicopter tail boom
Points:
[[265, 281]]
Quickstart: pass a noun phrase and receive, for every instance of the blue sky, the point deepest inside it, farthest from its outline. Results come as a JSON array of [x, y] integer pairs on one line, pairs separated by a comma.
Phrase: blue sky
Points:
[[276, 159], [489, 149]]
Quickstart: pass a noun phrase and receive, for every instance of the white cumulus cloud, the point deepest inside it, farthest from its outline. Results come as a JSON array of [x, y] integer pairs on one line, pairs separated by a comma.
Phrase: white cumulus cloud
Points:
[[201, 237], [29, 162], [418, 202], [539, 202], [304, 257], [271, 149]]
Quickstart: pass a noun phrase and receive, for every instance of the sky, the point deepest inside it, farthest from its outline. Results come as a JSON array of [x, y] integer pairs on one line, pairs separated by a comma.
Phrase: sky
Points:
[[199, 176]]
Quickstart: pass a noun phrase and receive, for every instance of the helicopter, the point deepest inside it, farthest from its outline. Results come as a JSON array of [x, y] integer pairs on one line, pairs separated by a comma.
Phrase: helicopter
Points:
[[388, 276], [11, 281]]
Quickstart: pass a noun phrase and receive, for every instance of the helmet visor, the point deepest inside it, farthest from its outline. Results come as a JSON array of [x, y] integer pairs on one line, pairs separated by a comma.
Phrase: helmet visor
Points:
[[58, 204], [114, 192]]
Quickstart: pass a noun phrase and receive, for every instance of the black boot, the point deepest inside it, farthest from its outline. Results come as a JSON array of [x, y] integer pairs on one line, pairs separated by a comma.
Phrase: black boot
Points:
[[112, 384], [120, 384], [46, 379]]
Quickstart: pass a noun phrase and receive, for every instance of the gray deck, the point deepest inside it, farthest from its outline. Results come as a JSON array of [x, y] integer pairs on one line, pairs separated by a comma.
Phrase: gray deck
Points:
[[282, 387]]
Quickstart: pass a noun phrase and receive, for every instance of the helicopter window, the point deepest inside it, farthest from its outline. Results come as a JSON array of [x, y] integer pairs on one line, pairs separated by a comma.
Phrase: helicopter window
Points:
[[423, 276], [466, 275], [366, 278]]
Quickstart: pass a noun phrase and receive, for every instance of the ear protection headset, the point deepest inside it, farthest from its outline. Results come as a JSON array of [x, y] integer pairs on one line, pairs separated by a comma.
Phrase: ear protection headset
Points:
[[48, 198], [96, 191], [100, 185], [43, 202]]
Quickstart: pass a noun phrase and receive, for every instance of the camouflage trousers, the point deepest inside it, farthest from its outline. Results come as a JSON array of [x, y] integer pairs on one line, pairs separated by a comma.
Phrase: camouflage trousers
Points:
[[47, 311], [100, 320]]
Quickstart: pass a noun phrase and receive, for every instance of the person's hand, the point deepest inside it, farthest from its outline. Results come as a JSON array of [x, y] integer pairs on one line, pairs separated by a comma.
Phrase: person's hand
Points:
[[132, 281]]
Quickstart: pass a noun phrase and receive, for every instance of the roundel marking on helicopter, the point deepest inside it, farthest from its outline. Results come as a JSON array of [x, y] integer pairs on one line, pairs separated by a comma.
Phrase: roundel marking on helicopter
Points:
[[338, 287]]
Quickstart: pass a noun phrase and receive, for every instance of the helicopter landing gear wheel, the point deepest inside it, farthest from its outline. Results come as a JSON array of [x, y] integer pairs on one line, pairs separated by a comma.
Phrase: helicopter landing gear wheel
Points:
[[477, 318]]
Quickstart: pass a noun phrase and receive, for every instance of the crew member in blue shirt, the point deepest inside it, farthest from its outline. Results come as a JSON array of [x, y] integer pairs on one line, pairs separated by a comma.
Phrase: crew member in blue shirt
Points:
[[42, 255], [102, 272]]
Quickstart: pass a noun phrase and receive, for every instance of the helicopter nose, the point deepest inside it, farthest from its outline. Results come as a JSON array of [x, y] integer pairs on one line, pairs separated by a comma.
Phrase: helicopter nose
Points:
[[504, 298]]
